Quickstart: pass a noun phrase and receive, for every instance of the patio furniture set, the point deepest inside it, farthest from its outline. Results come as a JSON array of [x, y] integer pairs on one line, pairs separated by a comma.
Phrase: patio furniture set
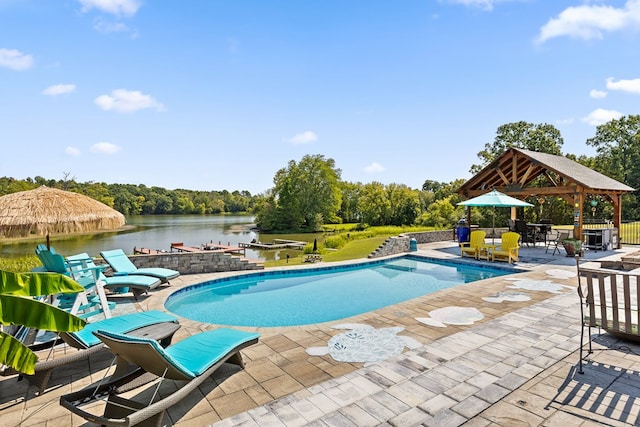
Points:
[[140, 343]]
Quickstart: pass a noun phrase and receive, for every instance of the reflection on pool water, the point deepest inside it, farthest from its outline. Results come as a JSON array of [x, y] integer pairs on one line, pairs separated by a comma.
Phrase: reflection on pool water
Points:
[[306, 296]]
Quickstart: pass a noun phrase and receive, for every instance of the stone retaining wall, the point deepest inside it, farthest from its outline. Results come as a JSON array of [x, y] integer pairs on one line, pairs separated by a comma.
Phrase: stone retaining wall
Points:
[[197, 262], [400, 244]]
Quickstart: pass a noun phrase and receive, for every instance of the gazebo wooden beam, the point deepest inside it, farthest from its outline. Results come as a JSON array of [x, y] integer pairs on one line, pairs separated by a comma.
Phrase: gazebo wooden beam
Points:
[[502, 176], [550, 179], [530, 169]]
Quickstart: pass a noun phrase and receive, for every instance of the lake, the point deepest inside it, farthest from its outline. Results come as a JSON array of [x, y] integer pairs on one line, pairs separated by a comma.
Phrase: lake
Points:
[[159, 231]]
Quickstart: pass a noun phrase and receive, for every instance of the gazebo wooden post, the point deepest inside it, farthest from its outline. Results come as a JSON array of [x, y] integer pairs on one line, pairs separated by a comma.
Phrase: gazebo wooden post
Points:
[[578, 201], [617, 216]]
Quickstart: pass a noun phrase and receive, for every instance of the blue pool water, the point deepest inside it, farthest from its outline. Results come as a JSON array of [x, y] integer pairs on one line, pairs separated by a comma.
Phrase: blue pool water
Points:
[[301, 297]]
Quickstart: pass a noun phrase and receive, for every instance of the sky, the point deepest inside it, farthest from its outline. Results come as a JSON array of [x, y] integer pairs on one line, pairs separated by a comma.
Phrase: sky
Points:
[[221, 94]]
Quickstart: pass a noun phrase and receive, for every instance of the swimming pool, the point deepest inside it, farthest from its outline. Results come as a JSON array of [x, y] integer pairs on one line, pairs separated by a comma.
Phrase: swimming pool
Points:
[[316, 295]]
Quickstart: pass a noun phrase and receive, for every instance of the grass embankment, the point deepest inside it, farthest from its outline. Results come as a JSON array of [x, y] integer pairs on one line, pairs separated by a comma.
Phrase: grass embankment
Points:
[[347, 243], [20, 264]]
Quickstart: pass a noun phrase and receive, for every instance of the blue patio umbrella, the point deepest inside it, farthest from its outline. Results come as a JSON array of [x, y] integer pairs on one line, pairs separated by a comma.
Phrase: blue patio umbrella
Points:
[[494, 198]]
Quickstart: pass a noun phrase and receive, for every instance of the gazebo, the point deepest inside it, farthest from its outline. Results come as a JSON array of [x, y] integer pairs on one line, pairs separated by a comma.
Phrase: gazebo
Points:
[[516, 171], [52, 211]]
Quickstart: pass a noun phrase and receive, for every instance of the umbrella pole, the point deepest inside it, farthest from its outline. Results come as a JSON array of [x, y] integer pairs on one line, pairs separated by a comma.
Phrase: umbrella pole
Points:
[[493, 231]]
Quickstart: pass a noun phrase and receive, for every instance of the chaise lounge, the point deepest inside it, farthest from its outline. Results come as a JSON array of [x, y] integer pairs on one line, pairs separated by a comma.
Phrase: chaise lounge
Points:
[[149, 323], [122, 265], [136, 283], [193, 360]]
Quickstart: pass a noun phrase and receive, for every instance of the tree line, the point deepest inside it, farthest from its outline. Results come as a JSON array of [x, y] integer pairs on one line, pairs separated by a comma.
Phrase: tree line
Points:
[[142, 200], [310, 193]]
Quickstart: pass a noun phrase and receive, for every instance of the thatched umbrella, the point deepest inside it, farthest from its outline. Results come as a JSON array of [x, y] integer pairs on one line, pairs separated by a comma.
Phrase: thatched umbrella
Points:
[[49, 210]]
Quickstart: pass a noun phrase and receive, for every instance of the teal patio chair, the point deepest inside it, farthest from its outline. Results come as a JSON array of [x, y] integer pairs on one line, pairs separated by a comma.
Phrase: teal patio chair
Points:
[[85, 304]]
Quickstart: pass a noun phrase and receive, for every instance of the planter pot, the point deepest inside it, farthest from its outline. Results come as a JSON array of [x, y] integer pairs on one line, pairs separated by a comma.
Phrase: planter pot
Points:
[[572, 247]]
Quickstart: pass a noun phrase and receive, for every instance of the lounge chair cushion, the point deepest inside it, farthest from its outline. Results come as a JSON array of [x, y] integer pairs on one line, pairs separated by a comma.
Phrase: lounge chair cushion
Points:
[[194, 355], [134, 280], [120, 324], [122, 265]]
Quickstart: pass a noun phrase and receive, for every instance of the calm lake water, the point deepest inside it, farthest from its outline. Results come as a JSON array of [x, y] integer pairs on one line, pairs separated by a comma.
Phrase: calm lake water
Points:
[[158, 232]]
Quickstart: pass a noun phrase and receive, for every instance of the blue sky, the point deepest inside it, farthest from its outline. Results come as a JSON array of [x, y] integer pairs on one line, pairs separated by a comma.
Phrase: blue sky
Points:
[[220, 94]]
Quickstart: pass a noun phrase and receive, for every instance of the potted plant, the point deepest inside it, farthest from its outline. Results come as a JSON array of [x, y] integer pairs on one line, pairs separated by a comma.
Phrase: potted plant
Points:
[[572, 246]]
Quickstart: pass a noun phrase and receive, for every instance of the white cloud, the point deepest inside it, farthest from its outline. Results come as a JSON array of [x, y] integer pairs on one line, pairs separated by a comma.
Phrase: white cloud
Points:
[[114, 7], [304, 138], [590, 21], [631, 86], [60, 89], [600, 116], [104, 148], [15, 60], [482, 4], [72, 151], [374, 168], [105, 27], [127, 101], [597, 94]]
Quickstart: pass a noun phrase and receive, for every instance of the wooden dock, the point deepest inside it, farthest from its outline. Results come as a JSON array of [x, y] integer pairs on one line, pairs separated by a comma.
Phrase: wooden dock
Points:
[[276, 244], [180, 247], [146, 251], [207, 247], [223, 248]]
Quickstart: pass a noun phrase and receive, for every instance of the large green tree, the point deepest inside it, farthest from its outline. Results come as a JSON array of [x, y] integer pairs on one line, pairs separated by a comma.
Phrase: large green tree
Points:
[[617, 144], [306, 195], [405, 204], [374, 204], [543, 137]]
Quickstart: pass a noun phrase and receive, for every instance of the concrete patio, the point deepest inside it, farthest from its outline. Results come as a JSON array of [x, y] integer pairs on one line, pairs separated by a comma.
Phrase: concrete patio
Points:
[[517, 366]]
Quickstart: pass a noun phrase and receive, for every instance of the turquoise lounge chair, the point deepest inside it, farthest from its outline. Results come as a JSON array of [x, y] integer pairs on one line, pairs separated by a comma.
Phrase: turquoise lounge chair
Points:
[[193, 360], [122, 265], [137, 284], [87, 343]]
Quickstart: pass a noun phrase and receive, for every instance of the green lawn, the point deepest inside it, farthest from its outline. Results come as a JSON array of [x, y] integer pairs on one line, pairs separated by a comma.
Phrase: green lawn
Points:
[[355, 249]]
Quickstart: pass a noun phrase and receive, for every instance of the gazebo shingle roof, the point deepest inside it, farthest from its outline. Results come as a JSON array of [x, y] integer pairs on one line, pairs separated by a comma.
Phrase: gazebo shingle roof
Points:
[[579, 173]]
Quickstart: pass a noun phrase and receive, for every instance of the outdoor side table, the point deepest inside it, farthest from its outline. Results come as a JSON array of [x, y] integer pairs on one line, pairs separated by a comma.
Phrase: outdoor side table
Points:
[[485, 251]]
